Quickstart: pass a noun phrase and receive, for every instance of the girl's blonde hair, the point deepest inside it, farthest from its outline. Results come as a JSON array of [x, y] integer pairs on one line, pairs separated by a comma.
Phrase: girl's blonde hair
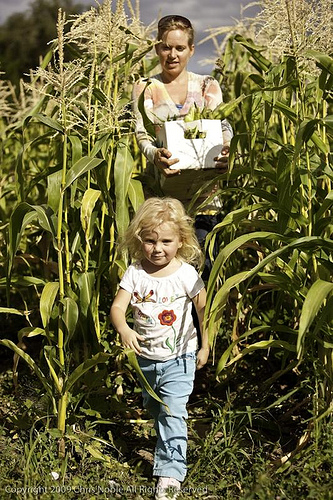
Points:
[[154, 212]]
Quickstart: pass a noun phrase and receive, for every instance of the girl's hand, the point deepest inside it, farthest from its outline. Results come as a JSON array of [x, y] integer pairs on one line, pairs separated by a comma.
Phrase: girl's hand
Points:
[[202, 357], [130, 338], [163, 162]]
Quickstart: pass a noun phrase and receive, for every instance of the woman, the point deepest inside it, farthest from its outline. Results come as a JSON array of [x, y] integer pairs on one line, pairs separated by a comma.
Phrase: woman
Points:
[[172, 93]]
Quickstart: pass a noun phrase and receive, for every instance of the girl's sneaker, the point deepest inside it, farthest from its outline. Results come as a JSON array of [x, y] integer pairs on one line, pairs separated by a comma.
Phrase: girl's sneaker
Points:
[[167, 488]]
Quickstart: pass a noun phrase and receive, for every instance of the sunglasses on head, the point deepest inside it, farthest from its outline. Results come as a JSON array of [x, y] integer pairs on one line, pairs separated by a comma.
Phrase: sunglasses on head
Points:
[[166, 19]]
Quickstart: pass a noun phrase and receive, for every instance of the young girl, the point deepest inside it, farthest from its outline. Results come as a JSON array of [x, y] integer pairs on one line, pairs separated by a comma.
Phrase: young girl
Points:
[[161, 286]]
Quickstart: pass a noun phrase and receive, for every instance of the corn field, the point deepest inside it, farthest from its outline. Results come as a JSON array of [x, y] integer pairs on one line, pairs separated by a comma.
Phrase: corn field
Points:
[[70, 182]]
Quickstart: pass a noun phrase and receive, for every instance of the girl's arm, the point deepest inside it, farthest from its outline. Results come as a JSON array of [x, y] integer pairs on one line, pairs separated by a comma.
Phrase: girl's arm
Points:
[[199, 304], [129, 337]]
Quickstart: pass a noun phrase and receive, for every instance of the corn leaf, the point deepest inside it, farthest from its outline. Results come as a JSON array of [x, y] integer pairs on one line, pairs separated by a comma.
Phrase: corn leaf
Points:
[[47, 299], [263, 344], [32, 364], [135, 193], [49, 122], [85, 282], [82, 166], [123, 168], [30, 331], [70, 316], [89, 200], [130, 354], [148, 124], [312, 303], [79, 371], [11, 310]]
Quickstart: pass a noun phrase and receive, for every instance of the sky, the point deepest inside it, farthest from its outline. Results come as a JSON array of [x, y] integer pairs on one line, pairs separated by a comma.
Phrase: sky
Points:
[[203, 14]]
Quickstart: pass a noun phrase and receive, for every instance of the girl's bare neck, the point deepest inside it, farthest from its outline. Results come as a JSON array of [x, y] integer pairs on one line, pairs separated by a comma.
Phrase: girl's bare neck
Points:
[[161, 271]]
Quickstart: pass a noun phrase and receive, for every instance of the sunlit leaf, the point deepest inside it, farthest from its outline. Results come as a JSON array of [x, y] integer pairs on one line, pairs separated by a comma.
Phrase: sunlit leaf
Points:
[[89, 200], [47, 299], [81, 167], [312, 303], [123, 168]]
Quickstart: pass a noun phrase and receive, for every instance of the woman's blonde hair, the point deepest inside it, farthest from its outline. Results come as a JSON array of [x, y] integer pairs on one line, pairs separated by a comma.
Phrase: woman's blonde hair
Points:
[[154, 212], [175, 22]]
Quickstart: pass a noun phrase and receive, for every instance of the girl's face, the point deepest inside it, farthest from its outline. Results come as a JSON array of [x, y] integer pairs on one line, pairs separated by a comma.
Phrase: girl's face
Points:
[[160, 246], [174, 52]]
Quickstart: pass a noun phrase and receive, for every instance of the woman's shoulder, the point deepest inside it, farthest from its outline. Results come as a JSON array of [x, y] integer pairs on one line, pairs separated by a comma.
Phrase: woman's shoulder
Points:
[[147, 84], [149, 80], [206, 83], [201, 78]]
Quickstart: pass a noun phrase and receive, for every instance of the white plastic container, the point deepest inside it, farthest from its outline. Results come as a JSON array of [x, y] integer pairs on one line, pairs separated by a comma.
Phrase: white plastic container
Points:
[[192, 153]]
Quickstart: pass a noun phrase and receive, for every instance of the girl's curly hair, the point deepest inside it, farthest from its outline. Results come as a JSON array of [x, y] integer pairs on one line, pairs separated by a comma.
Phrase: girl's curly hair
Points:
[[154, 212]]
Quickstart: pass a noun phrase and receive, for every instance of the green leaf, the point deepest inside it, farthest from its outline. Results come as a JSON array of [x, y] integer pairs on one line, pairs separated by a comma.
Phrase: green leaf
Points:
[[23, 215], [328, 121], [85, 282], [28, 359], [217, 301], [54, 189], [100, 357], [148, 124], [263, 344], [70, 316], [263, 63], [30, 331], [47, 299], [326, 204], [133, 361], [135, 193], [123, 168], [307, 131], [23, 281], [312, 303], [50, 357], [324, 61], [11, 310], [226, 108], [89, 200], [76, 148], [285, 110], [49, 122], [82, 166]]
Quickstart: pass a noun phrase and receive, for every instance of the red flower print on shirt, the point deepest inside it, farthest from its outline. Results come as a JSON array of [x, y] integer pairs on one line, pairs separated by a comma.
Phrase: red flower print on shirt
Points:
[[167, 318]]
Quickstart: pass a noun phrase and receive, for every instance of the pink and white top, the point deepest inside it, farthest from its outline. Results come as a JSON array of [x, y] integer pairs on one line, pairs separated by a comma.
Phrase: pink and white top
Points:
[[203, 90]]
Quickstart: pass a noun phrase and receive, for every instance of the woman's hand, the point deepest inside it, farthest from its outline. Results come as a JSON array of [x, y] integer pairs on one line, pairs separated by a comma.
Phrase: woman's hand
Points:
[[163, 162], [130, 338], [222, 159]]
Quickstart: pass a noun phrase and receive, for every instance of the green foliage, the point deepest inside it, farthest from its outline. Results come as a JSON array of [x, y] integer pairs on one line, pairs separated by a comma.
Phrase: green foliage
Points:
[[68, 192], [271, 283], [74, 192]]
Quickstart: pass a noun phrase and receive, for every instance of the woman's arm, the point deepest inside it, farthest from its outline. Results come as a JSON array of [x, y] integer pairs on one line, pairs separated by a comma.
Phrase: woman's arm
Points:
[[199, 304], [160, 157], [129, 337]]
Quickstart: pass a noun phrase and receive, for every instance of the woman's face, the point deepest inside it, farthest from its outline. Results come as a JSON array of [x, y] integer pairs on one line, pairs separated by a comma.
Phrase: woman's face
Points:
[[174, 52]]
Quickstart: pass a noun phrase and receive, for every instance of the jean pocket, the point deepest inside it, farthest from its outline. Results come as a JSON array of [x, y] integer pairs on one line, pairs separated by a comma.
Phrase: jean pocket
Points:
[[189, 355]]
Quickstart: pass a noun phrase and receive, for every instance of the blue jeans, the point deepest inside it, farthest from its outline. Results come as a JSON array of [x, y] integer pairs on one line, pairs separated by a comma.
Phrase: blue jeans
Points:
[[172, 381]]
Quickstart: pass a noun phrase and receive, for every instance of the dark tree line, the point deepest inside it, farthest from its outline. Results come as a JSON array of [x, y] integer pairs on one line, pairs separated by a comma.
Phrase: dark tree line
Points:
[[24, 36]]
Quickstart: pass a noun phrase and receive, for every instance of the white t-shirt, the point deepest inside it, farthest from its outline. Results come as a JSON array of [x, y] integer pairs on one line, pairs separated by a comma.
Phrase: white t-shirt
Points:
[[162, 310]]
